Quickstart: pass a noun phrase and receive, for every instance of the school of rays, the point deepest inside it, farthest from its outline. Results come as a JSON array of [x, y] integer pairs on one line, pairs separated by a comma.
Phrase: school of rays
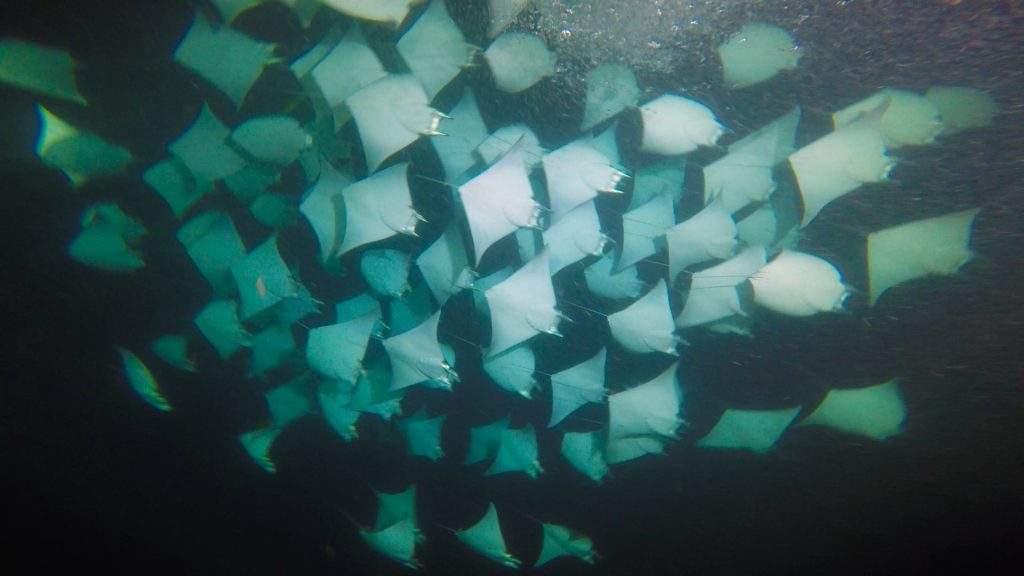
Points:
[[510, 237]]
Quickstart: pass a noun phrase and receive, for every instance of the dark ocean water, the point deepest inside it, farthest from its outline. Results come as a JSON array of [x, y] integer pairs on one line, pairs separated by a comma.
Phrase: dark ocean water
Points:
[[95, 479]]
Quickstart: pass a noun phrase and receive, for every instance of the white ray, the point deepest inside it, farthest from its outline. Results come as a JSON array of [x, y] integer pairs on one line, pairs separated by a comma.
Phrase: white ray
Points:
[[713, 294], [523, 305], [391, 113], [378, 207], [485, 537], [933, 246], [577, 385], [674, 125], [518, 61], [799, 284], [225, 57], [499, 200], [416, 357], [646, 325], [709, 235], [435, 49]]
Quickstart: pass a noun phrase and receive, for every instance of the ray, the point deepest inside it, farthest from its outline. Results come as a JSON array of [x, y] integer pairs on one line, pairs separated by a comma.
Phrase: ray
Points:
[[499, 200], [334, 398], [466, 131], [744, 175], [482, 285], [435, 49], [213, 244], [388, 12], [80, 156], [585, 452], [577, 385], [293, 310], [484, 441], [799, 284], [486, 539], [141, 380], [577, 173], [933, 246], [257, 444], [337, 351], [502, 13], [755, 430], [782, 130], [759, 228], [416, 357], [378, 207], [391, 113], [606, 142], [909, 119], [358, 306], [709, 235], [109, 239], [395, 532], [445, 265], [336, 69], [604, 281], [110, 214], [575, 236], [503, 139], [395, 507], [517, 452], [523, 305], [513, 369], [839, 163], [39, 69], [324, 207], [561, 541], [962, 107], [224, 57], [174, 350], [251, 181], [643, 229], [372, 394], [263, 280], [713, 294], [529, 242], [176, 185], [423, 435], [274, 210], [518, 61], [734, 325], [277, 140], [396, 541], [621, 450], [204, 150], [756, 53], [218, 322], [611, 88], [386, 271], [876, 412], [271, 348], [411, 309], [646, 325], [290, 401], [665, 177], [650, 409], [674, 125]]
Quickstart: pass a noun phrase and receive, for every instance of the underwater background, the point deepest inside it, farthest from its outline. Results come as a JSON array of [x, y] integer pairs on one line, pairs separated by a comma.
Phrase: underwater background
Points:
[[94, 478]]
